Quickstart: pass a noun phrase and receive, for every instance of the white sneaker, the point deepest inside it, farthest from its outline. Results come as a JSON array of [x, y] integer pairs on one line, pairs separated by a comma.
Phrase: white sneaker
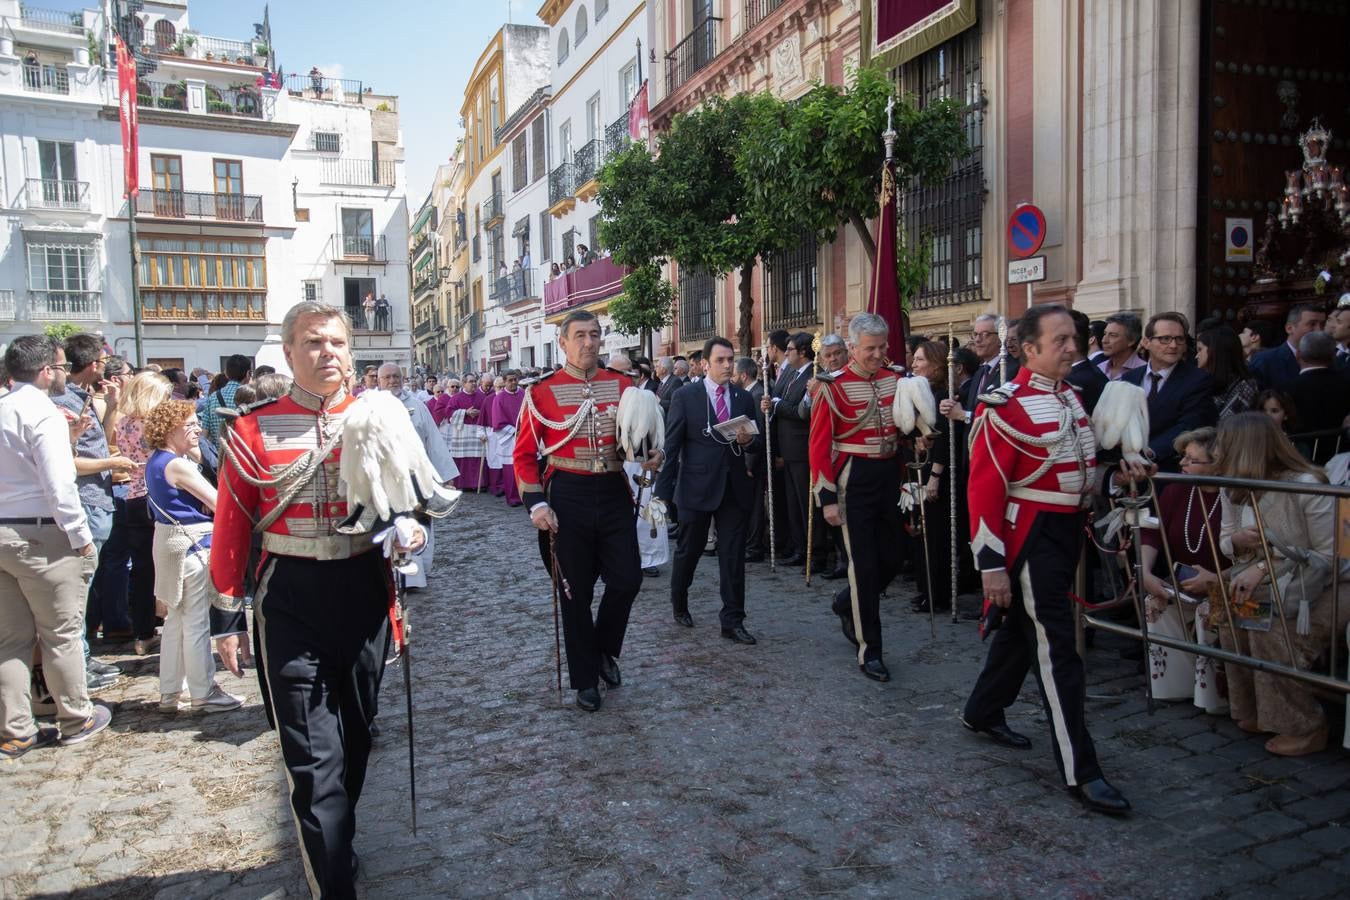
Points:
[[217, 701], [171, 703]]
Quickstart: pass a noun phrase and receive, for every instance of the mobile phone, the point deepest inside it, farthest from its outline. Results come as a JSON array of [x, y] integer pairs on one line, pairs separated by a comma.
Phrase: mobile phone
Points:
[[1185, 573], [88, 404]]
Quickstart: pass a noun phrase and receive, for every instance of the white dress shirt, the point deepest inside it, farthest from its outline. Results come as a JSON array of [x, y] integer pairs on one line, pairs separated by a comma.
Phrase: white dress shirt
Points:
[[37, 467]]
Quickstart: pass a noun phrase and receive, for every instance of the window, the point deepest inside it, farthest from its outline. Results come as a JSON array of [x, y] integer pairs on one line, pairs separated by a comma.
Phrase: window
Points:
[[628, 83], [545, 236], [229, 181], [569, 245], [166, 179], [478, 131], [698, 305], [520, 168], [581, 25], [494, 105], [538, 149], [563, 47], [62, 267], [165, 34], [311, 290], [327, 142], [358, 232], [593, 118], [56, 161], [565, 142], [203, 278], [601, 7], [790, 286], [593, 232], [946, 217]]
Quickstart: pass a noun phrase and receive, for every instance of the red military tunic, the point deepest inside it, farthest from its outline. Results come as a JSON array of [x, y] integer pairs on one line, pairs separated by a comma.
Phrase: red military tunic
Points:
[[568, 422], [850, 416], [262, 444], [1031, 450]]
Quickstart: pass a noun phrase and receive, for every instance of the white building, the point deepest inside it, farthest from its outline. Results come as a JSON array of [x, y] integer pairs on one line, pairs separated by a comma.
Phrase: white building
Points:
[[596, 55], [253, 194]]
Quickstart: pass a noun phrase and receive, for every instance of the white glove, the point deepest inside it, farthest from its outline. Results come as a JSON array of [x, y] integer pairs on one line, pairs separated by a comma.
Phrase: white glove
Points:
[[910, 492], [655, 512], [403, 531]]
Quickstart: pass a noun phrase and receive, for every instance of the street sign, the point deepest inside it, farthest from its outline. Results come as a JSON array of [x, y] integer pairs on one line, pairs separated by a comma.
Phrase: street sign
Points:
[[1025, 271], [1026, 231], [1238, 240]]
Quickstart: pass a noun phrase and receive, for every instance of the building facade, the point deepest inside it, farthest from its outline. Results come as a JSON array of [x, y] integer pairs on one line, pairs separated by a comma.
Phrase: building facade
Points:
[[253, 193]]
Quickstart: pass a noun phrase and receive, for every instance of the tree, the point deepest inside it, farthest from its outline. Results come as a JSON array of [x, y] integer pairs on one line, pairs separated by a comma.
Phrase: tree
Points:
[[688, 202], [59, 331], [815, 163], [647, 303]]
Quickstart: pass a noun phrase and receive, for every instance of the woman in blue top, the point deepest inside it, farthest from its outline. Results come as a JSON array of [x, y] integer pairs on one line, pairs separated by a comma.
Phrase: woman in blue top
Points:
[[181, 501]]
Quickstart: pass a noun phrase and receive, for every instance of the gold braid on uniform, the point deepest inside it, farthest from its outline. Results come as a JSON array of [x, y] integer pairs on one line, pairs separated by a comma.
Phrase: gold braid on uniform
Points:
[[572, 424], [857, 422], [286, 482], [1050, 442]]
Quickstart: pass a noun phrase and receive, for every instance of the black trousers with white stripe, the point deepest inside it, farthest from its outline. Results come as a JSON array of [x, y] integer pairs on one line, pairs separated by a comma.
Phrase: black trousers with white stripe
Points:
[[868, 489], [1038, 635]]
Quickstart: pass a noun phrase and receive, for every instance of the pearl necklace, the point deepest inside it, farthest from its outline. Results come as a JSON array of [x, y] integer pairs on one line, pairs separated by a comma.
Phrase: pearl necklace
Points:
[[1186, 525]]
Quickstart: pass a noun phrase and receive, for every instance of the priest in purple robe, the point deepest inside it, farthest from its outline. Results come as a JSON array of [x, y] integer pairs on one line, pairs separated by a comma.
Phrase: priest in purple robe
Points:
[[465, 419], [506, 405]]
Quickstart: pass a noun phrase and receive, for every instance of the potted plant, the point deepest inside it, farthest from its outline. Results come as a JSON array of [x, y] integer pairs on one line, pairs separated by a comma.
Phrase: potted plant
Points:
[[190, 43]]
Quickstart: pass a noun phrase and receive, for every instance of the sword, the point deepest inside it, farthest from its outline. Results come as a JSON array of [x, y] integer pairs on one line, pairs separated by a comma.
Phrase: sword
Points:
[[919, 498], [556, 576], [951, 464], [405, 662]]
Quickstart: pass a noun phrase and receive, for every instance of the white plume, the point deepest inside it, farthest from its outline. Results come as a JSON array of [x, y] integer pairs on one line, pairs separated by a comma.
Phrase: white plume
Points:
[[383, 463], [913, 403], [1121, 418], [640, 421]]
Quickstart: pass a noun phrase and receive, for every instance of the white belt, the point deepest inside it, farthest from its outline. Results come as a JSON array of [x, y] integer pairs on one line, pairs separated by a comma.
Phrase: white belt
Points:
[[1052, 498]]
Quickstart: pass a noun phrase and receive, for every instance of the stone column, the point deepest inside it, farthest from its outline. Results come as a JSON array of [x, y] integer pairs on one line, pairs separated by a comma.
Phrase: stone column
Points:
[[1141, 83]]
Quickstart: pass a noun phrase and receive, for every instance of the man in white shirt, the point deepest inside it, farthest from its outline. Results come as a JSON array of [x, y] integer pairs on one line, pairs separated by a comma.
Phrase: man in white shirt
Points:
[[47, 557]]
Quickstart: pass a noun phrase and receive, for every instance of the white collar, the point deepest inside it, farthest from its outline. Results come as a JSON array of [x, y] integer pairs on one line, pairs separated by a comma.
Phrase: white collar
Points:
[[1163, 374]]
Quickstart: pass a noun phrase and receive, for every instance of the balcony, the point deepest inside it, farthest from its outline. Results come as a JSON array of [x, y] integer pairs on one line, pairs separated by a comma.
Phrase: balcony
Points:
[[365, 172], [423, 328], [333, 90], [428, 282], [460, 241], [55, 20], [199, 205], [423, 240], [476, 325], [202, 307], [561, 196], [65, 306], [8, 311], [617, 137], [161, 95], [241, 102], [515, 287], [494, 210], [757, 10], [46, 79], [49, 193], [359, 248], [596, 282], [698, 48], [585, 165], [225, 50]]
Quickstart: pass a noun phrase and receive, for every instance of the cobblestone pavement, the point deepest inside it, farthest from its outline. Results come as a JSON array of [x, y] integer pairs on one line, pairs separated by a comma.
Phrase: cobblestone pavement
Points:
[[716, 770]]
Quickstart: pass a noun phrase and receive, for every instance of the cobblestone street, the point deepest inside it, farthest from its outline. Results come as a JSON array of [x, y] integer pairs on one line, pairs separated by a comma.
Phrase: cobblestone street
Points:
[[715, 770]]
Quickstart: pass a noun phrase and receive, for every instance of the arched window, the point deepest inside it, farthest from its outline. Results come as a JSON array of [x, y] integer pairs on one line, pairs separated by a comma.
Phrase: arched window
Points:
[[165, 34], [582, 25], [563, 47], [601, 7]]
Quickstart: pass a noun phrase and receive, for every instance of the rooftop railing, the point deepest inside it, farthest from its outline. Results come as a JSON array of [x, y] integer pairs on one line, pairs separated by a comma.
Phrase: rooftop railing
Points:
[[58, 20], [319, 87], [225, 49]]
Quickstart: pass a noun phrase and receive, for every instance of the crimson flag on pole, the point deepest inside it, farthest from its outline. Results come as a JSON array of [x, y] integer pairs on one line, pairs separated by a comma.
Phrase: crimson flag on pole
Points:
[[126, 103], [638, 115], [884, 297]]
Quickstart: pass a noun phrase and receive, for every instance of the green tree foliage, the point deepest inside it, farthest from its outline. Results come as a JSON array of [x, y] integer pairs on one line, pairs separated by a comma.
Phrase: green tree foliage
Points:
[[815, 163], [59, 331], [647, 303]]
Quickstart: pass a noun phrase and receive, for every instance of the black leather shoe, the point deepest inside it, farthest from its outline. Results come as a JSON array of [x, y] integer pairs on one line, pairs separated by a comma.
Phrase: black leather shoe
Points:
[[609, 670], [589, 699], [876, 670], [651, 571], [739, 635], [845, 620], [1003, 735], [836, 573], [795, 559], [1100, 796], [683, 618]]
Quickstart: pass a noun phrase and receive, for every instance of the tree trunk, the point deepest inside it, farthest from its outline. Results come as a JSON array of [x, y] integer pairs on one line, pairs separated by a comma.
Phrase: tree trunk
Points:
[[747, 309], [645, 343], [860, 226]]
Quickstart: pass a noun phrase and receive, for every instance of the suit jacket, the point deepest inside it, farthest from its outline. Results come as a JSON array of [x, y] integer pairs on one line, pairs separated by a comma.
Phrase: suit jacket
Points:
[[979, 384], [756, 392], [706, 464], [1090, 381], [1322, 401], [1185, 401], [1275, 366], [792, 426], [666, 389], [651, 385]]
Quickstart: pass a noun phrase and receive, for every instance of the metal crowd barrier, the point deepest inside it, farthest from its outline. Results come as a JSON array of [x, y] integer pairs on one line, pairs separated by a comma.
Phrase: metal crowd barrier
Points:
[[1337, 682]]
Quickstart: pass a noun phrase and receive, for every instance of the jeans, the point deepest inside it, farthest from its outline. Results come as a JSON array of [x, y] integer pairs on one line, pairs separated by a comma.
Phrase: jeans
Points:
[[100, 526], [107, 604], [140, 529]]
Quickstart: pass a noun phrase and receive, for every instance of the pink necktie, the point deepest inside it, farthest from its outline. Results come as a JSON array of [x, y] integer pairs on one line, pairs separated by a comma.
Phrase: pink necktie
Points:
[[721, 405]]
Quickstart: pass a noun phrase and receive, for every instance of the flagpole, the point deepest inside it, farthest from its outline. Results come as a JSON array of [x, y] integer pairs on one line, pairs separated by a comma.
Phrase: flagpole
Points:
[[135, 280]]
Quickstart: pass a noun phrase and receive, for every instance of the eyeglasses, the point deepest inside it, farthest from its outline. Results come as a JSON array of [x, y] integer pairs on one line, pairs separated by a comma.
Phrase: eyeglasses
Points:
[[1169, 339], [63, 366], [976, 335], [1188, 461]]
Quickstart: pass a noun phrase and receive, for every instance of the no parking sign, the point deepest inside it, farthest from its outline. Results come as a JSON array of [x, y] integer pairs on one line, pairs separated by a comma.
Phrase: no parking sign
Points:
[[1237, 240]]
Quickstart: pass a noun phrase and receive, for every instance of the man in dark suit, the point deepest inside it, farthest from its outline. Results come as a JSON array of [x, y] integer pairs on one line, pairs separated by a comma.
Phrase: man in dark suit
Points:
[[642, 375], [715, 484], [791, 429], [1089, 379], [669, 382], [1338, 326], [776, 354], [1180, 393], [1321, 394], [747, 379], [1280, 364]]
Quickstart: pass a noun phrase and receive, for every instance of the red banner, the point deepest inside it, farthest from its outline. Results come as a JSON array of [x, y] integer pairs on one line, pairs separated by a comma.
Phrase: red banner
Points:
[[638, 115], [126, 102], [884, 296]]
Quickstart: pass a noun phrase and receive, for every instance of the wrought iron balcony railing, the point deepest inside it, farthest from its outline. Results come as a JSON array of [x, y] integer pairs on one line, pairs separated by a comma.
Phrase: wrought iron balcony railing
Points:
[[560, 183], [225, 49], [616, 136], [374, 172], [476, 326], [427, 282], [199, 205], [46, 79], [50, 193], [358, 246], [493, 207], [757, 10], [698, 48], [319, 87], [59, 306], [585, 163]]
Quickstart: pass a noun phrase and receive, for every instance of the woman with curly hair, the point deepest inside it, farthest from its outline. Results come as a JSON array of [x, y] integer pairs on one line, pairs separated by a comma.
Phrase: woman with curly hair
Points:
[[142, 394], [181, 501]]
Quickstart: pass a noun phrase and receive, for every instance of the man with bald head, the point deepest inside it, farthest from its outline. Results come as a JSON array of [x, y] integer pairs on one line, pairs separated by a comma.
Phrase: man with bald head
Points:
[[391, 380]]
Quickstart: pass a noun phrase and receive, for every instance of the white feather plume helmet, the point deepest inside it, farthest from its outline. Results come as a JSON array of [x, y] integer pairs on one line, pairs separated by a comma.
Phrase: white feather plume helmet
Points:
[[383, 465], [640, 422], [1121, 419]]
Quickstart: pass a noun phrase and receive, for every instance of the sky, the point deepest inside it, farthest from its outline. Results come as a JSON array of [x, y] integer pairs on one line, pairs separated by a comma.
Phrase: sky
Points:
[[420, 50]]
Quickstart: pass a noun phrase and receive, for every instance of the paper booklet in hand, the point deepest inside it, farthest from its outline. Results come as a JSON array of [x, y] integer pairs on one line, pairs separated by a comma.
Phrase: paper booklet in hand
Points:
[[731, 427]]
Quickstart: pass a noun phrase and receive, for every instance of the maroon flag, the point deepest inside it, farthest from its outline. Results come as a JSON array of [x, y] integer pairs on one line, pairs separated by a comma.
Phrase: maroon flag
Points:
[[126, 102], [884, 297], [638, 115]]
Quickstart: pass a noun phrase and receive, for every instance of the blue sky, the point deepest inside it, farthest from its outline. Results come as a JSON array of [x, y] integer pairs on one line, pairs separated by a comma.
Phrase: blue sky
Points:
[[421, 50]]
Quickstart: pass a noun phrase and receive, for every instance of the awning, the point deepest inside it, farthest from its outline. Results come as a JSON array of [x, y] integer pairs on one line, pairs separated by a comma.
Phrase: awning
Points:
[[499, 357], [422, 219]]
